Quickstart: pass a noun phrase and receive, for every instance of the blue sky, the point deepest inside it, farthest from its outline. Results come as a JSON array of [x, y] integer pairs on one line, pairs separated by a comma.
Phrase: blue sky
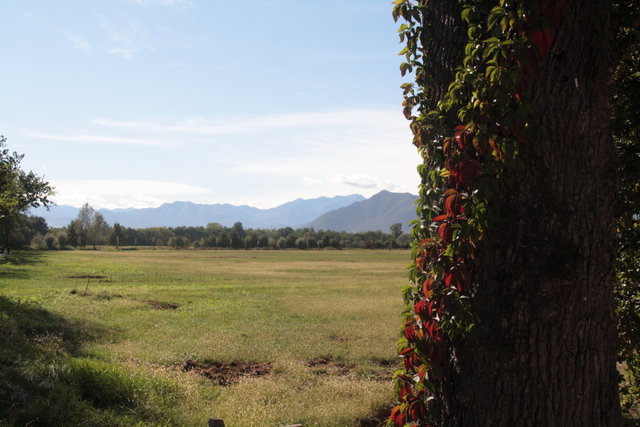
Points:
[[132, 103]]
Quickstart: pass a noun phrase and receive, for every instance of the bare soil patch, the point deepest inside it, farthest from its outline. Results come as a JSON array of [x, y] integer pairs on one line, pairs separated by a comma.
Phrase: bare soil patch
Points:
[[386, 369], [86, 276], [341, 338], [327, 365], [157, 305], [226, 374]]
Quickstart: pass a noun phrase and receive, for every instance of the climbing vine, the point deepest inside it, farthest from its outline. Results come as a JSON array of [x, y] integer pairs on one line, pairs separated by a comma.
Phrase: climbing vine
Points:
[[470, 140]]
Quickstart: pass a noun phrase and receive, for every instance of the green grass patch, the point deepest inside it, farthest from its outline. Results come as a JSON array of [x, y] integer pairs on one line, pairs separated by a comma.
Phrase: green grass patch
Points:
[[98, 337]]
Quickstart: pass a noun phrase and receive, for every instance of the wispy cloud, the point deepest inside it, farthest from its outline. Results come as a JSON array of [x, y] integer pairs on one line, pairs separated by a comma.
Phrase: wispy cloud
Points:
[[259, 124], [360, 181], [125, 41], [100, 139], [77, 41], [113, 193], [365, 181]]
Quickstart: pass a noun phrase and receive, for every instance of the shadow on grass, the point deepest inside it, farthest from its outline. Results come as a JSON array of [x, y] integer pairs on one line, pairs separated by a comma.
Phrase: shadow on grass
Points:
[[15, 273], [45, 382], [22, 257], [16, 260]]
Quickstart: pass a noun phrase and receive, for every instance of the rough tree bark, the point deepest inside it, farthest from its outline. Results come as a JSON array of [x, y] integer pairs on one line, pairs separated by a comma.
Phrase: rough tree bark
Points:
[[545, 351]]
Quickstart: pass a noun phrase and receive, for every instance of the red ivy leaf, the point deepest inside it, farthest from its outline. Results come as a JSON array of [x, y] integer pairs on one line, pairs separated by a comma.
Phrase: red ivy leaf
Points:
[[405, 351], [397, 417], [432, 329], [426, 288], [410, 362], [422, 371], [410, 332], [453, 205], [459, 130], [445, 231], [463, 171]]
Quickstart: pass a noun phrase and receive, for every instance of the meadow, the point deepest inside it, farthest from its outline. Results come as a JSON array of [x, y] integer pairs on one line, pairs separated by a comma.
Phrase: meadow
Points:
[[174, 337]]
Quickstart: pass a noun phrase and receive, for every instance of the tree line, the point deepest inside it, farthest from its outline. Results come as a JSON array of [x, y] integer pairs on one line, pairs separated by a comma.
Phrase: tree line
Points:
[[90, 230]]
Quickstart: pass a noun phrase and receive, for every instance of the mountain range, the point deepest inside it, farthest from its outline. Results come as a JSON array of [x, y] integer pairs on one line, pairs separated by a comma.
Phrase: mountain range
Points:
[[340, 213]]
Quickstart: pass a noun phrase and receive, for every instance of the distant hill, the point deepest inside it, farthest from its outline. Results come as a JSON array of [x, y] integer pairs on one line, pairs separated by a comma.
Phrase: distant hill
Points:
[[294, 214], [375, 213]]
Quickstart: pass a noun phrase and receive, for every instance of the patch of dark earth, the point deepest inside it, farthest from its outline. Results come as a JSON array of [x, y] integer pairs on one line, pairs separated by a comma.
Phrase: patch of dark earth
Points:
[[327, 365], [387, 369], [226, 374], [341, 338], [157, 305], [86, 276]]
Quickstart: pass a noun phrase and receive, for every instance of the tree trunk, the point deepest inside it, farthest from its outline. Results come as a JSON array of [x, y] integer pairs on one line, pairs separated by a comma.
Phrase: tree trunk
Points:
[[545, 351]]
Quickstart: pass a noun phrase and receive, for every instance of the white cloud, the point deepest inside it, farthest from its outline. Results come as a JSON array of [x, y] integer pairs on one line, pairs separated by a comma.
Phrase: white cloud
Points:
[[125, 41], [360, 181], [78, 42], [123, 193], [100, 139], [350, 119], [311, 181]]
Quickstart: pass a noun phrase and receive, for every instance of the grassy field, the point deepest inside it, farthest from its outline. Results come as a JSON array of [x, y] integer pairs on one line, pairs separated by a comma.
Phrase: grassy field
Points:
[[102, 337]]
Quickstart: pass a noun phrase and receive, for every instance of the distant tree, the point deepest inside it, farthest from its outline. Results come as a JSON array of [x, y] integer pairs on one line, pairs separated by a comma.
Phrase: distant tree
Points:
[[396, 230], [117, 235], [222, 241], [291, 240], [209, 242], [79, 227], [238, 229], [263, 241], [62, 240], [325, 241], [404, 241], [311, 242], [37, 224], [301, 243], [19, 191], [89, 228], [50, 241], [250, 241], [98, 230], [178, 242], [214, 227], [28, 230], [37, 242], [284, 232], [236, 236]]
